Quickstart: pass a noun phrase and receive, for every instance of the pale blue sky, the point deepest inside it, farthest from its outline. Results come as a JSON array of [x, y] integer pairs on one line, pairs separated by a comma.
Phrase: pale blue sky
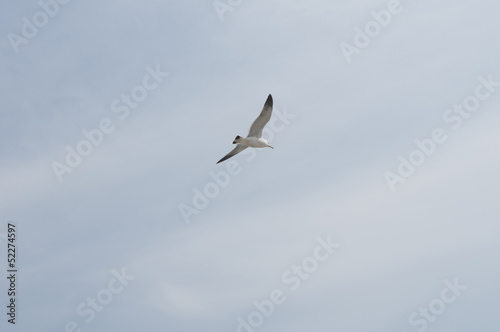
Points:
[[325, 178]]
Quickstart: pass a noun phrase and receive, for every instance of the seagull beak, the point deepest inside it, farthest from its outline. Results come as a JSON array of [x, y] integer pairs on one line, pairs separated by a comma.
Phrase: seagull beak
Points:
[[271, 147]]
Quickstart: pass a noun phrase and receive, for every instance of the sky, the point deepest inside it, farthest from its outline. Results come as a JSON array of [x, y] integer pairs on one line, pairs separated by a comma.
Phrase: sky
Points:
[[376, 211]]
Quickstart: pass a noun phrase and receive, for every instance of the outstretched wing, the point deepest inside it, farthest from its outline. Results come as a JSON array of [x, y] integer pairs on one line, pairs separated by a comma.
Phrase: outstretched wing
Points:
[[235, 151], [262, 119]]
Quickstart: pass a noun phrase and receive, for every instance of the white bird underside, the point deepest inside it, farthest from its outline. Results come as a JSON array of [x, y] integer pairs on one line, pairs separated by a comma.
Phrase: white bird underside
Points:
[[254, 137]]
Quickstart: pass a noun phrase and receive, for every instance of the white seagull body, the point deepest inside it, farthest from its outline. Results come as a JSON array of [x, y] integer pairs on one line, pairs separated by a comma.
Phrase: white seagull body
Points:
[[254, 138]]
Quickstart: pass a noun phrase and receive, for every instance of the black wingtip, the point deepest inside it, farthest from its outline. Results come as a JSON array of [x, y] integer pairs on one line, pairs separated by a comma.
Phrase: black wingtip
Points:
[[269, 100]]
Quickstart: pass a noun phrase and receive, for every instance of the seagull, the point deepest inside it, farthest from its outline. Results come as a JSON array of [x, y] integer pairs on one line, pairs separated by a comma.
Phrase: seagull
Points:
[[254, 137]]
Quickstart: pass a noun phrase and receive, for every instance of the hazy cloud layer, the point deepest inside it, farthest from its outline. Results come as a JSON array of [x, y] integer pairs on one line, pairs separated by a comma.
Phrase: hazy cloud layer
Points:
[[103, 238]]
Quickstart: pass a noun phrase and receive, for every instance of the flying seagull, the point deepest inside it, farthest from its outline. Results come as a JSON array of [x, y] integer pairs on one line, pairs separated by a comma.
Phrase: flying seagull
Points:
[[254, 137]]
